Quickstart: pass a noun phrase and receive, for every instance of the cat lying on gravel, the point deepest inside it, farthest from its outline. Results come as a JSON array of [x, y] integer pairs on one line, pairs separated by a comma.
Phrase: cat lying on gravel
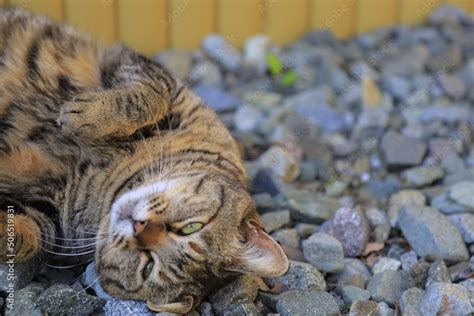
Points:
[[103, 154]]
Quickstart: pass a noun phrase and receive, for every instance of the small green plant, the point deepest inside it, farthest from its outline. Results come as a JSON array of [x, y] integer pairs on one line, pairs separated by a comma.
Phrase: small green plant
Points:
[[286, 78]]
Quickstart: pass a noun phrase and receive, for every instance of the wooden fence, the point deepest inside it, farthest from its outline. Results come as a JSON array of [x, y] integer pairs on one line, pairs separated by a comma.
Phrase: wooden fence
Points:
[[153, 25]]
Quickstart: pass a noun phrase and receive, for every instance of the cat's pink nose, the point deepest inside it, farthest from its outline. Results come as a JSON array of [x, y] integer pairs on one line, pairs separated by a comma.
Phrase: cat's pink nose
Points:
[[139, 227]]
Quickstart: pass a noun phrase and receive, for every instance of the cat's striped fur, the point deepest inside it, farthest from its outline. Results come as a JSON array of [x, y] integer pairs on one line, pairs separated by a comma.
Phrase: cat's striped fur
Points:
[[103, 153]]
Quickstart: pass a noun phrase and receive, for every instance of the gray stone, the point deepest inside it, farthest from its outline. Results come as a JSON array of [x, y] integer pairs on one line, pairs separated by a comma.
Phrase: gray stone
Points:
[[60, 299], [324, 252], [288, 237], [300, 276], [463, 194], [372, 117], [445, 113], [205, 309], [446, 298], [206, 73], [402, 151], [443, 203], [431, 234], [255, 51], [219, 49], [313, 106], [419, 273], [453, 86], [410, 302], [281, 162], [350, 227], [408, 260], [242, 290], [272, 221], [384, 264], [245, 309], [247, 118], [438, 272], [469, 285], [178, 63], [22, 274], [306, 230], [422, 176], [216, 98], [379, 223], [116, 307], [355, 273], [24, 301], [363, 308], [303, 303], [384, 310], [398, 86], [350, 294], [387, 286], [310, 208], [465, 224]]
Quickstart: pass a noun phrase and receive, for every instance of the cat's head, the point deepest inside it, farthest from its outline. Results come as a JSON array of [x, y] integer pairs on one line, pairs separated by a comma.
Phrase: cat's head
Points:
[[168, 242]]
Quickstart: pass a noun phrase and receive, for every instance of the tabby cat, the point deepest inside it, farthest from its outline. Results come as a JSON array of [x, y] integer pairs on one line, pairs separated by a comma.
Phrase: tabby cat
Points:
[[104, 155]]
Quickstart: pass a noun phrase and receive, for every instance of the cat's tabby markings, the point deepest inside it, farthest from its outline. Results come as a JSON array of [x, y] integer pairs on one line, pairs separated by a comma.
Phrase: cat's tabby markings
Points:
[[105, 155]]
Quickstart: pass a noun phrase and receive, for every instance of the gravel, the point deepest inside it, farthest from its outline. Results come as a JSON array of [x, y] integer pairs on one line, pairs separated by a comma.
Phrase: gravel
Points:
[[300, 303], [446, 298], [351, 228], [300, 276], [410, 301], [324, 252], [431, 234], [387, 286]]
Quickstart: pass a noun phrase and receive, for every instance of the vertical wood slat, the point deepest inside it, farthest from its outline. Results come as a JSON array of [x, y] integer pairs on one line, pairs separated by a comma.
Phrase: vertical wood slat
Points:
[[416, 11], [372, 14], [96, 17], [142, 24], [52, 8], [285, 20], [239, 19], [336, 15], [189, 22]]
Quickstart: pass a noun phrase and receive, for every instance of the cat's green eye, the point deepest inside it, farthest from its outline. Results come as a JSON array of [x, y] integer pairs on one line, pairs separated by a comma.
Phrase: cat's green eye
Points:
[[191, 228]]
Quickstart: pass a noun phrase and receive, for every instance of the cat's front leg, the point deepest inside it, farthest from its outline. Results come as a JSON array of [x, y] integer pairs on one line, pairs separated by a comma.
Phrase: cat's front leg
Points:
[[112, 113]]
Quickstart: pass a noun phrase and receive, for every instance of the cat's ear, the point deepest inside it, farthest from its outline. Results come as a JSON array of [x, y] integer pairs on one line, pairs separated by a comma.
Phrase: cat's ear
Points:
[[261, 254]]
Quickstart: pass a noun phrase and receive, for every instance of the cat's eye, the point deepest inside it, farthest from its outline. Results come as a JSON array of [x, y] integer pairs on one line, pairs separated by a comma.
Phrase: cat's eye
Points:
[[148, 268], [191, 228]]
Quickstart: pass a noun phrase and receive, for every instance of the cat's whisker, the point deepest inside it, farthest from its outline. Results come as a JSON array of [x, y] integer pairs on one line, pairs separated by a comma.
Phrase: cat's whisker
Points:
[[73, 247], [68, 239], [64, 267], [69, 254], [98, 277]]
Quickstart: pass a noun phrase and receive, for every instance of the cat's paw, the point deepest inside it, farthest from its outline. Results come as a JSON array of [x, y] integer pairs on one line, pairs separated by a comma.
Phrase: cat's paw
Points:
[[90, 116]]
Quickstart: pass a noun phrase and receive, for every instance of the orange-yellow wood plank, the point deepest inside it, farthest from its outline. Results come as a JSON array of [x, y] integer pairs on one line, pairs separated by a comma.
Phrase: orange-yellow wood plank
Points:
[[336, 15], [94, 16], [52, 8], [416, 11], [142, 24], [285, 20], [467, 5], [189, 22], [372, 14], [239, 19]]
